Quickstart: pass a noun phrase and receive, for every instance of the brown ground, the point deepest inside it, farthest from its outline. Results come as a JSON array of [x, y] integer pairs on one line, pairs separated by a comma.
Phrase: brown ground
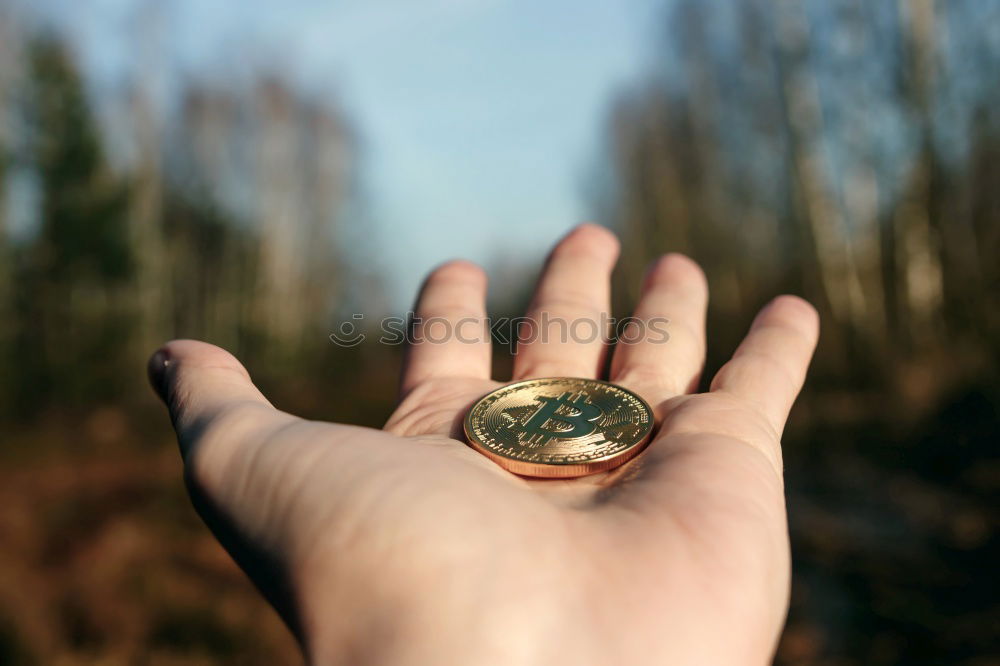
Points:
[[103, 561]]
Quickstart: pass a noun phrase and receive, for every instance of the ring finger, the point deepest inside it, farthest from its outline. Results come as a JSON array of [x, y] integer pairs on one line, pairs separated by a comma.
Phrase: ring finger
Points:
[[674, 301]]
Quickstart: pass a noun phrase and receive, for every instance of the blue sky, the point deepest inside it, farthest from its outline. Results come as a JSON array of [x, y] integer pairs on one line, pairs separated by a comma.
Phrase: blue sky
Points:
[[478, 118]]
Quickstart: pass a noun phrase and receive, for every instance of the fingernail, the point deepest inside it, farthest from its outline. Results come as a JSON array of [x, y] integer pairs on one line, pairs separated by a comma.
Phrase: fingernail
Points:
[[157, 371]]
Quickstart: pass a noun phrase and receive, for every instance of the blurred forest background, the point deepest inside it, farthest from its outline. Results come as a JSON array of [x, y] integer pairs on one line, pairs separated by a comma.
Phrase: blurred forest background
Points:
[[843, 150]]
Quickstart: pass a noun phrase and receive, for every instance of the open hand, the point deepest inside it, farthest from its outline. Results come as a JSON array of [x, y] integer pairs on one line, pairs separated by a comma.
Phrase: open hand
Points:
[[405, 546]]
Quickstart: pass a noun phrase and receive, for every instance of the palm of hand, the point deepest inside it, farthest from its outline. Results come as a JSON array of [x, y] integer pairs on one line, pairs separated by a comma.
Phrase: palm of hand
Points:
[[406, 546]]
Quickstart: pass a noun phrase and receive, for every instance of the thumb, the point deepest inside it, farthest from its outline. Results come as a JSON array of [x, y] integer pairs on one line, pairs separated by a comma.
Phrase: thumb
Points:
[[217, 412], [208, 393]]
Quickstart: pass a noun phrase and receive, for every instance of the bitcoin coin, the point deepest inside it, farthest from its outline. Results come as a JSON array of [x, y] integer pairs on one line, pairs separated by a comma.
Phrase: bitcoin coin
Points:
[[559, 427]]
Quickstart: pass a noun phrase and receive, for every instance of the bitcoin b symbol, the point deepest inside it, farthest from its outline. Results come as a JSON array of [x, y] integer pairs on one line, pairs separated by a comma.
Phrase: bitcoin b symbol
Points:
[[563, 417]]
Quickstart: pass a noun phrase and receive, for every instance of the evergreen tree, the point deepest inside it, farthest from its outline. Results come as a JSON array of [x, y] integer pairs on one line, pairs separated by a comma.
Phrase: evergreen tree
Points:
[[73, 322]]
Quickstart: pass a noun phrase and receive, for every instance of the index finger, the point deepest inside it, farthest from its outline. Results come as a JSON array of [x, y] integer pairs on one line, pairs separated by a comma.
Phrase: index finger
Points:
[[451, 337]]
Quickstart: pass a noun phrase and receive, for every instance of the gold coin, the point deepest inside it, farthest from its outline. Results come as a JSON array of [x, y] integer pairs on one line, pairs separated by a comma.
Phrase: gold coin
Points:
[[559, 427]]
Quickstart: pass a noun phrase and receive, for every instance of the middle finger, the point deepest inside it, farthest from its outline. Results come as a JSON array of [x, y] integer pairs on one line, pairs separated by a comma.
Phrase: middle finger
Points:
[[568, 318]]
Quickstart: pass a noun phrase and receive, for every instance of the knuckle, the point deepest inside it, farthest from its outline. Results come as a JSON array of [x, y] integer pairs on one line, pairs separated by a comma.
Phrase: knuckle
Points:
[[216, 440], [727, 416], [646, 379], [776, 366], [566, 302], [684, 335], [753, 369]]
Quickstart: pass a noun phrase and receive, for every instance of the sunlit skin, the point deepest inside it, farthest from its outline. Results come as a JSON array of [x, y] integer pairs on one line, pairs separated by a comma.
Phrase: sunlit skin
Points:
[[405, 546]]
